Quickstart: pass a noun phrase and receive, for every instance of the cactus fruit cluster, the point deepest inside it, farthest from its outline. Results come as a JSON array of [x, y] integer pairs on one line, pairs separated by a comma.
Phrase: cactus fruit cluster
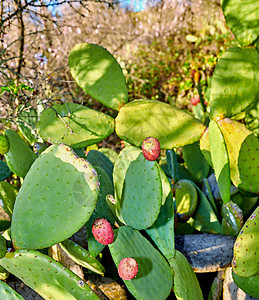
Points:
[[135, 201]]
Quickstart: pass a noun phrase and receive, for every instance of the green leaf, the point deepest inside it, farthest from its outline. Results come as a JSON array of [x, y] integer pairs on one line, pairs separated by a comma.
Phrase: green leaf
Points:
[[242, 19], [98, 73], [220, 160], [234, 83]]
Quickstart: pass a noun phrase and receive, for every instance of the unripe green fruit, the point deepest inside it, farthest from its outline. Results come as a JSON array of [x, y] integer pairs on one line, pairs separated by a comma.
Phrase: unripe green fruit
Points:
[[4, 144]]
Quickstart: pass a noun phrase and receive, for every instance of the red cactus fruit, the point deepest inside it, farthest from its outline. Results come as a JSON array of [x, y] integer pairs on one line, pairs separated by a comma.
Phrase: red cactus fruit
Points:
[[195, 100], [151, 148], [102, 231], [128, 268]]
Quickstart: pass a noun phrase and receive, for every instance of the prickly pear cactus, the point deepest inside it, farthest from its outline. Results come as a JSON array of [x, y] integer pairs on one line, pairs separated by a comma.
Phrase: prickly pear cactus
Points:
[[98, 73], [242, 19], [20, 157], [154, 278], [246, 257], [243, 153], [75, 125], [186, 285], [5, 172], [234, 85], [159, 120], [232, 217], [205, 146], [186, 199], [220, 160], [3, 246], [248, 284], [47, 277], [8, 195], [4, 144], [141, 197], [7, 293], [80, 256], [56, 199]]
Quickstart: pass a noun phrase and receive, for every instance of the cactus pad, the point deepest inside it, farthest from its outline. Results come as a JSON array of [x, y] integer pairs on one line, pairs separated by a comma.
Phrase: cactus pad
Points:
[[234, 85], [56, 199], [47, 277], [8, 195], [26, 121], [7, 293], [205, 146], [186, 199], [248, 284], [75, 125], [154, 277], [80, 256], [98, 73], [220, 160], [232, 217], [141, 198], [243, 149], [242, 19], [186, 285], [246, 251], [5, 172], [20, 157], [252, 117], [171, 126]]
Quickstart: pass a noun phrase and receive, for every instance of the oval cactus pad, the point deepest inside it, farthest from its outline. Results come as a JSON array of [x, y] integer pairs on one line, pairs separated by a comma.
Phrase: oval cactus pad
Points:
[[140, 119], [246, 251], [56, 199], [98, 73], [154, 278], [75, 125], [234, 84], [141, 199]]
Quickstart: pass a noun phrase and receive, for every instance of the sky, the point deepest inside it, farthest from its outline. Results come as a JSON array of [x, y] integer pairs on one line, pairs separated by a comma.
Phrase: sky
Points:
[[137, 5]]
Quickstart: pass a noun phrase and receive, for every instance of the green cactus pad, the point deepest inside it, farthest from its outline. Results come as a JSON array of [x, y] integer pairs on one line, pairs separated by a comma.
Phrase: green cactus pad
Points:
[[186, 199], [47, 277], [20, 157], [172, 164], [252, 117], [249, 285], [98, 73], [56, 199], [245, 203], [4, 144], [26, 122], [111, 154], [75, 125], [242, 19], [141, 198], [233, 217], [234, 85], [246, 251], [140, 119], [3, 246], [80, 256], [126, 156], [8, 195], [195, 161], [7, 293], [102, 210], [162, 231], [205, 219], [5, 172], [97, 158], [242, 147], [154, 278], [166, 186], [186, 285], [205, 146], [220, 160]]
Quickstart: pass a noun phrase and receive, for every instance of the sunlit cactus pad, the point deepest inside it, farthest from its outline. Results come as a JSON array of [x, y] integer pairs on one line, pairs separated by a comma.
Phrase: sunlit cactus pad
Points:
[[56, 199], [234, 84], [98, 73], [75, 125], [246, 249], [140, 119], [46, 276], [154, 278], [7, 293]]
